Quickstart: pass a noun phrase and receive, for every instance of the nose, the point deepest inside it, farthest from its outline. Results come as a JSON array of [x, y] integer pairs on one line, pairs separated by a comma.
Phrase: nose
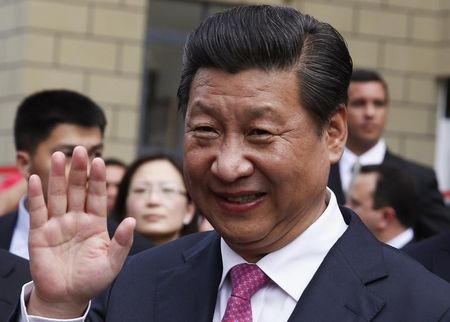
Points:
[[369, 110], [231, 162], [153, 196]]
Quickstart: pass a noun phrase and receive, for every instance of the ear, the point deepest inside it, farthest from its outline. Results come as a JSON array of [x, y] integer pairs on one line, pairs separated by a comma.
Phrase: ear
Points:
[[189, 214], [388, 215], [337, 134], [23, 163]]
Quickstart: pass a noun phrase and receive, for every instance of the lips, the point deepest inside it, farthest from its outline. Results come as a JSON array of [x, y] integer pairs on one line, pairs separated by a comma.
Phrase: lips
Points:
[[240, 202], [241, 199]]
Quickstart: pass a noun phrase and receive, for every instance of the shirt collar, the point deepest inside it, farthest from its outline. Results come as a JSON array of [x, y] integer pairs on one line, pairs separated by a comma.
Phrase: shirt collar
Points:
[[23, 216], [402, 239], [373, 156], [301, 257]]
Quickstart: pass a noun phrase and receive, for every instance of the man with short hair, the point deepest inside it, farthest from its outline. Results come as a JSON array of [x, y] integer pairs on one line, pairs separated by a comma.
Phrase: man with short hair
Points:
[[385, 198], [115, 169], [367, 110], [46, 122], [263, 90]]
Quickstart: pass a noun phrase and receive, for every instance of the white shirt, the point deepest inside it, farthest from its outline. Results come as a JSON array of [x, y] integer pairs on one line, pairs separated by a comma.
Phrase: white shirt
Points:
[[290, 269], [402, 239], [19, 241], [373, 156]]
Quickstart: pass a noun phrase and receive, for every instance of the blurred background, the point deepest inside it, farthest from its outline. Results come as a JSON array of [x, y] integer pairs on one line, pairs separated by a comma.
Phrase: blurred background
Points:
[[126, 55]]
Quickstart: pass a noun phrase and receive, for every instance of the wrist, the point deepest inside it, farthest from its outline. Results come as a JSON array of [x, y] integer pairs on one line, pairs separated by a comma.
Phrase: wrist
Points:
[[38, 306]]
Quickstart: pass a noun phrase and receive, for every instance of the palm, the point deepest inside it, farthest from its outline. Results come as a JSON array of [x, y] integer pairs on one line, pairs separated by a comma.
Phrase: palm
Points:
[[72, 258]]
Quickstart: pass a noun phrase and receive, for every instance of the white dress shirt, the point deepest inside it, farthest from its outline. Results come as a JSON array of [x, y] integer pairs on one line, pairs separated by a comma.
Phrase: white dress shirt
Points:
[[402, 239], [290, 269], [19, 241], [373, 156]]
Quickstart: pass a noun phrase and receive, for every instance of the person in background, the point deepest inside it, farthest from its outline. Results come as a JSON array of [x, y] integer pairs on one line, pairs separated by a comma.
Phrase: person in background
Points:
[[14, 272], [115, 169], [153, 192], [367, 109], [263, 92], [385, 198], [433, 253], [46, 122]]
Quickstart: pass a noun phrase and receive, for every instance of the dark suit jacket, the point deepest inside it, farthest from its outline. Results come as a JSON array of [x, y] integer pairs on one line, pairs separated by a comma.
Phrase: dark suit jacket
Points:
[[14, 272], [8, 223], [360, 279], [433, 253], [434, 216]]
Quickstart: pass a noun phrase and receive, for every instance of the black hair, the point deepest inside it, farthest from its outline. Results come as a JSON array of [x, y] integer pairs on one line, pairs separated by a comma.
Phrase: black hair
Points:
[[273, 38], [115, 162], [394, 188], [368, 75], [39, 113], [119, 211]]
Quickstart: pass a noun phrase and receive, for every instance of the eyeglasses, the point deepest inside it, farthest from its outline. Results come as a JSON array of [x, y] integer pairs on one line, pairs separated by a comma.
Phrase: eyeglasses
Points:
[[164, 189]]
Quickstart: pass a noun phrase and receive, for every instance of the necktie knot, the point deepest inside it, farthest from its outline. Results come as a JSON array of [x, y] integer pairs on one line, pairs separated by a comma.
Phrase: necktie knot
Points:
[[246, 279]]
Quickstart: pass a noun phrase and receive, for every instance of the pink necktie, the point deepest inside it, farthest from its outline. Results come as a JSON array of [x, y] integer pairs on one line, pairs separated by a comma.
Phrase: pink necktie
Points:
[[246, 279]]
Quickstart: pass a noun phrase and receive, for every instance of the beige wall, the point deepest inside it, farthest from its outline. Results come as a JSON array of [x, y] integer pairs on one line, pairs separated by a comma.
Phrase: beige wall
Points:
[[95, 47]]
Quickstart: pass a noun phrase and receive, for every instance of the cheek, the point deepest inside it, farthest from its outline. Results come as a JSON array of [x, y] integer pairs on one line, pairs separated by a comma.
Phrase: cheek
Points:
[[134, 206]]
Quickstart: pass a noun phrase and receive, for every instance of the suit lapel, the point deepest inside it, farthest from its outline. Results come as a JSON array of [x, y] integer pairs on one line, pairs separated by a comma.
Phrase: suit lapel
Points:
[[340, 289], [189, 292], [7, 225]]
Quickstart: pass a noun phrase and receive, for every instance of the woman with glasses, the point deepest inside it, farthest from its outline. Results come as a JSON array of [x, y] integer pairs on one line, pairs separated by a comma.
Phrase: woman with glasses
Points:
[[153, 192]]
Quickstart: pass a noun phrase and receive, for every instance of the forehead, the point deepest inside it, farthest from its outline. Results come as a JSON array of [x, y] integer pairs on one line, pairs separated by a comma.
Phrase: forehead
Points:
[[71, 134], [254, 88], [366, 89], [157, 170]]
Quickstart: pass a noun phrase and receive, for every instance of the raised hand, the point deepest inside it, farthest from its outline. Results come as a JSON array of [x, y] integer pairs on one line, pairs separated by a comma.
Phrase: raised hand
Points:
[[72, 258]]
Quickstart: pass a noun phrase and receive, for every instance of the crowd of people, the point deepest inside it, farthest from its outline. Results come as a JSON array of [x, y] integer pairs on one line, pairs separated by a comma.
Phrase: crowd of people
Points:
[[286, 186]]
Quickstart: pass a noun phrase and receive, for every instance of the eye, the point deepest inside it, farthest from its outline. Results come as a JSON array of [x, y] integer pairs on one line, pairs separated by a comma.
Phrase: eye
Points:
[[138, 190], [259, 132], [205, 132]]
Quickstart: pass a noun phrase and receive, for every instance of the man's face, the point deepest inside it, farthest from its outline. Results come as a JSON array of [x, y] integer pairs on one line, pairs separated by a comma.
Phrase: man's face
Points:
[[64, 137], [254, 162], [361, 201], [367, 104], [114, 175]]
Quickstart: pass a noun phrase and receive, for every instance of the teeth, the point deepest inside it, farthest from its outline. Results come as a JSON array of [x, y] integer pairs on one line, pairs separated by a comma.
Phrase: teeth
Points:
[[243, 199]]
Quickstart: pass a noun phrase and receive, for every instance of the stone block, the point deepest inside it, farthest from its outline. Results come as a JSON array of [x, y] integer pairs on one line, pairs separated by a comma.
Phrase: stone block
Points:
[[382, 23], [337, 15], [115, 90], [58, 16], [410, 58], [88, 53], [364, 52], [119, 23]]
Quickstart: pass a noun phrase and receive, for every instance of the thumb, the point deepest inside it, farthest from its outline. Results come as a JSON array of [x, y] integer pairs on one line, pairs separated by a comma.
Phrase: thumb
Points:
[[121, 243]]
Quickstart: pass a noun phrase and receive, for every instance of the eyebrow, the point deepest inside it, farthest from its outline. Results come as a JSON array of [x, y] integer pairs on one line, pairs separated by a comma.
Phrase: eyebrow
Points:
[[70, 147]]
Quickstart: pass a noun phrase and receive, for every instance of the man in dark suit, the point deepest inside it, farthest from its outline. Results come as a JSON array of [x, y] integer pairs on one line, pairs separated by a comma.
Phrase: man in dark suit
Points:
[[49, 121], [385, 199], [433, 253], [14, 272], [263, 91], [368, 101]]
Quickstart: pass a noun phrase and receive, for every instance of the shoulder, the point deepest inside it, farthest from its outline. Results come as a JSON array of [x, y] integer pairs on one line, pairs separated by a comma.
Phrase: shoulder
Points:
[[413, 166], [9, 217]]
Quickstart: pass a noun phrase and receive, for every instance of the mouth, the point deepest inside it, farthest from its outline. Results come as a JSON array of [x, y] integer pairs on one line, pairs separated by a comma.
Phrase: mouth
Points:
[[244, 198], [240, 202]]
